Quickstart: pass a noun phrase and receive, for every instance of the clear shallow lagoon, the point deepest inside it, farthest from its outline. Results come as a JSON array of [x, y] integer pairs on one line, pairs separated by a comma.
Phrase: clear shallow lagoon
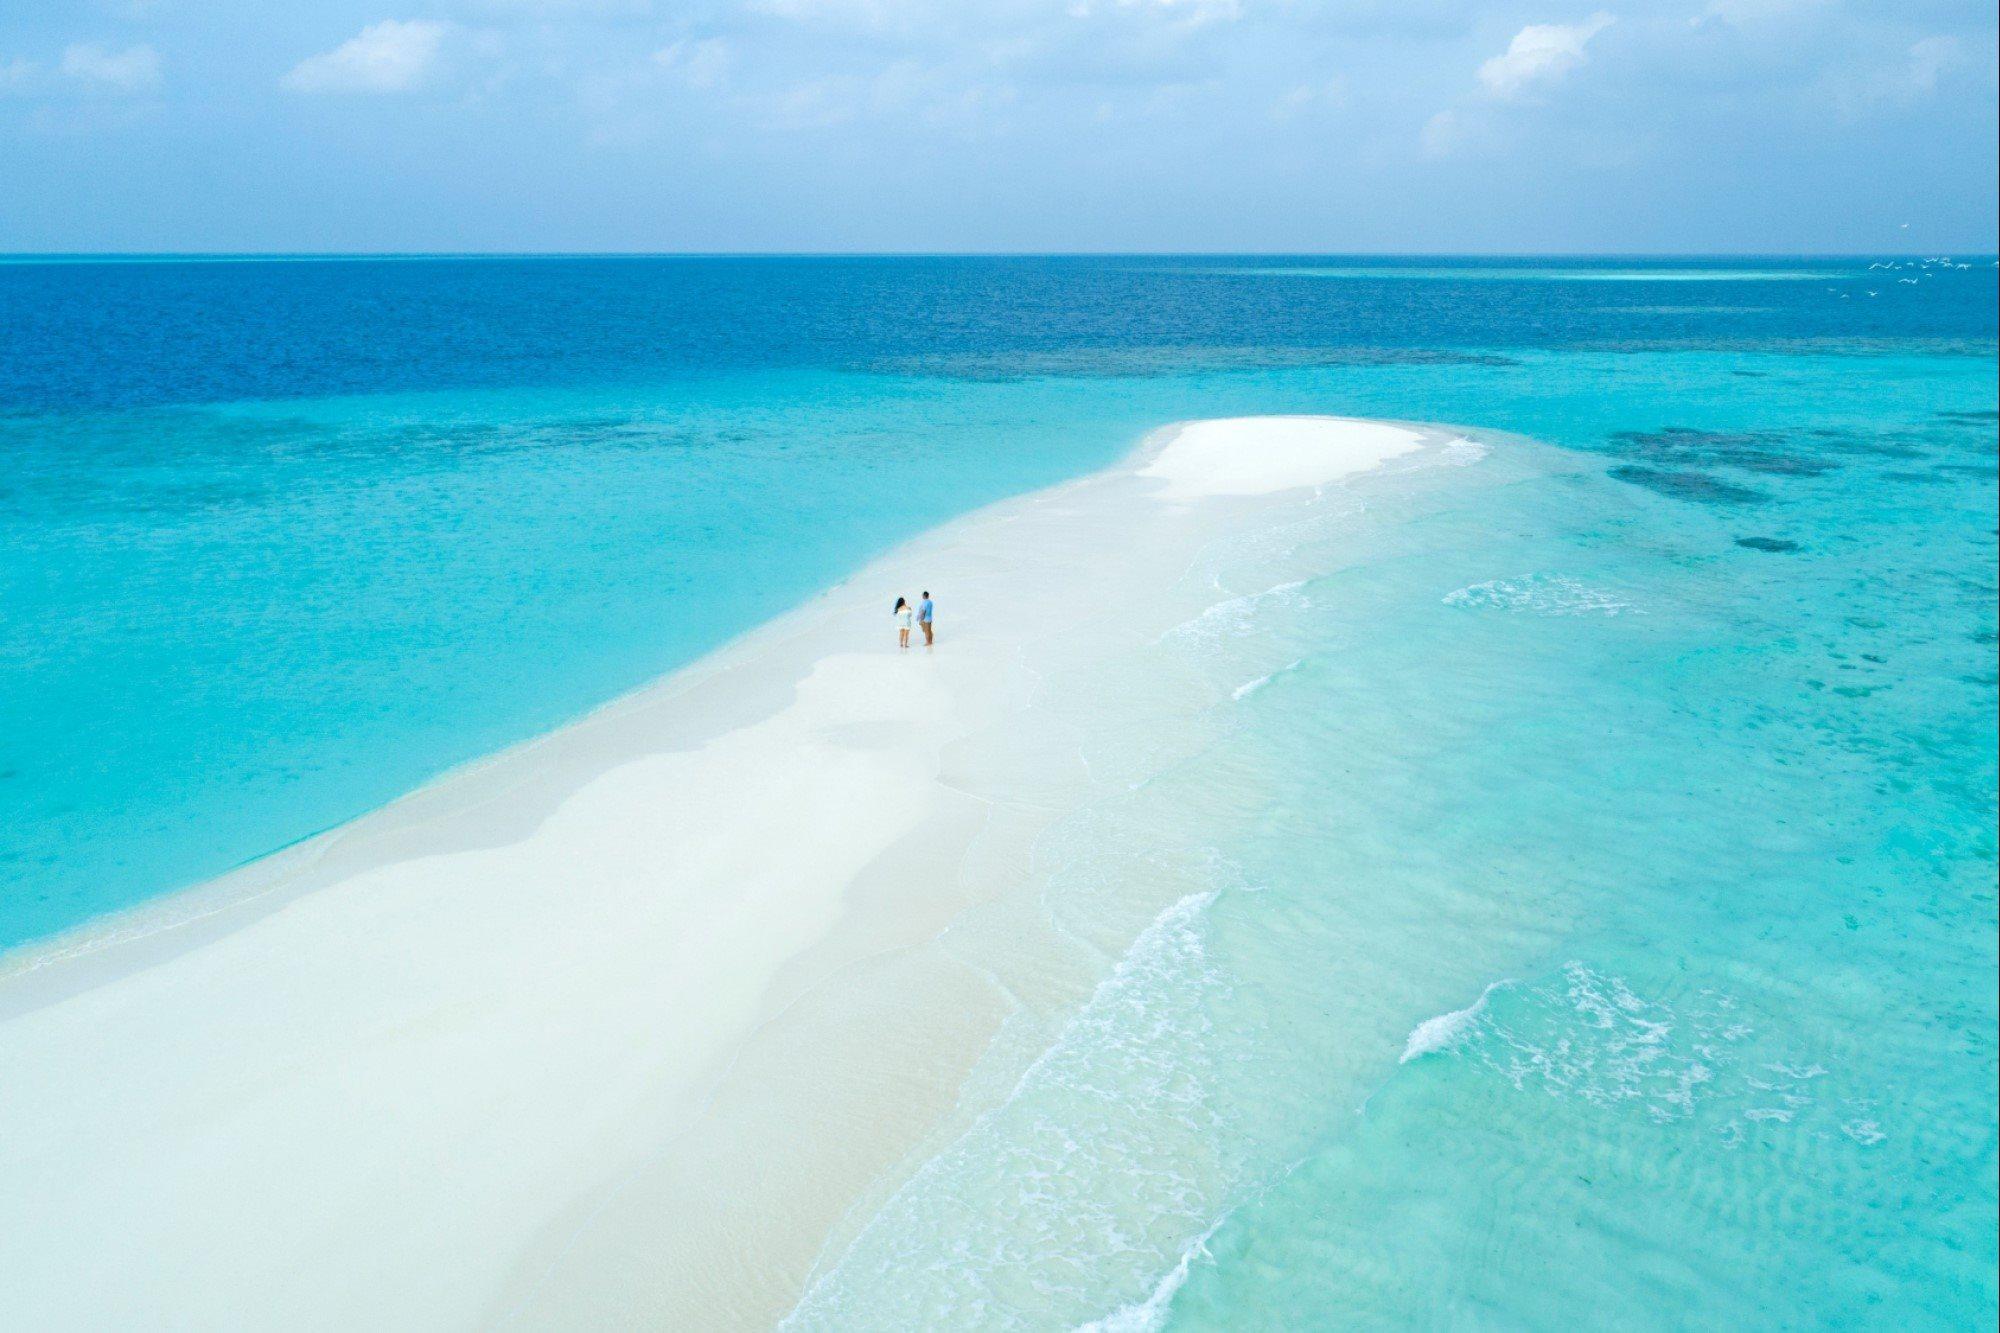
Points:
[[1645, 773]]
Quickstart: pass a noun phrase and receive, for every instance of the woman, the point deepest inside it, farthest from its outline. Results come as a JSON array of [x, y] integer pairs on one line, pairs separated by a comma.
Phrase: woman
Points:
[[904, 614]]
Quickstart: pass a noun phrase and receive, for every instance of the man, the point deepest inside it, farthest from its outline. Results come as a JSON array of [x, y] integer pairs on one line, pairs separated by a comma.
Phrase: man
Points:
[[924, 617]]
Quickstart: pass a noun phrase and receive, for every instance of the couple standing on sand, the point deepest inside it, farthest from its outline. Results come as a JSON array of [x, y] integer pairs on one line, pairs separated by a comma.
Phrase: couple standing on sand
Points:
[[922, 614]]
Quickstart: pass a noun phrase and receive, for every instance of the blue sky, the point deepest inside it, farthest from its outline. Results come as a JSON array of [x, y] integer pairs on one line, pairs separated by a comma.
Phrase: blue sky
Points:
[[1290, 125]]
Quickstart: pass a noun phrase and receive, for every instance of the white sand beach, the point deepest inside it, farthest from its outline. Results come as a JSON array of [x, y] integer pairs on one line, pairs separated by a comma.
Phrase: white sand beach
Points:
[[627, 1023]]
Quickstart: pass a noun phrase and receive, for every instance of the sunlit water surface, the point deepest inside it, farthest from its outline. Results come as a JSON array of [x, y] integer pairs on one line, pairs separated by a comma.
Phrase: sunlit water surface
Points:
[[1573, 889]]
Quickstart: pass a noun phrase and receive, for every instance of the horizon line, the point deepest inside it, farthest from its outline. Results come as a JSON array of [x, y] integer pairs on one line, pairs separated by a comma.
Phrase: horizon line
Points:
[[141, 256]]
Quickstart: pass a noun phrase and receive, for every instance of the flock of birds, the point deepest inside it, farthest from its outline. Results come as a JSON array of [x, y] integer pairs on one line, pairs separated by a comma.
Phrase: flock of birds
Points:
[[1922, 268]]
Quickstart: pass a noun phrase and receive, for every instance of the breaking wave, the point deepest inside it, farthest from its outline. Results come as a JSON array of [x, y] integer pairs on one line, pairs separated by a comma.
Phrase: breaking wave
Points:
[[1541, 595], [1093, 1168], [1150, 1315], [1446, 1030], [1250, 687]]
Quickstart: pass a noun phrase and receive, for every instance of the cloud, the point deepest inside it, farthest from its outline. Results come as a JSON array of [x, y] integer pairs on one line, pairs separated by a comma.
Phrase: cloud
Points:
[[133, 70], [17, 74], [1441, 134], [968, 25], [1929, 58], [699, 62], [1306, 97], [1191, 12], [1746, 13], [559, 9], [896, 90], [863, 15], [86, 68], [1911, 77], [1540, 54], [393, 56]]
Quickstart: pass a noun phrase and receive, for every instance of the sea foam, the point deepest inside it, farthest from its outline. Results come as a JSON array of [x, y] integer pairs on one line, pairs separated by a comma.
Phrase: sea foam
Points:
[[1445, 1031], [1150, 1315], [1541, 595], [1250, 687], [1233, 617], [1463, 453], [1125, 1074]]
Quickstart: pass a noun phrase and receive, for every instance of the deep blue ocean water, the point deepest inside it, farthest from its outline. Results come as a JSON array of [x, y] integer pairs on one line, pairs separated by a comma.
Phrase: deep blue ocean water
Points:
[[1679, 724]]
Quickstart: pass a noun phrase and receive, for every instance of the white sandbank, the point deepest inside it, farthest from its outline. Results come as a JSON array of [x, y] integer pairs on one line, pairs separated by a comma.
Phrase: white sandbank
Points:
[[1259, 455], [619, 1025]]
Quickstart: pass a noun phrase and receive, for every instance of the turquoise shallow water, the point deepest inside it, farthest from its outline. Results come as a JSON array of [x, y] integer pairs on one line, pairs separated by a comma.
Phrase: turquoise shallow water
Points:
[[1588, 851], [1591, 909]]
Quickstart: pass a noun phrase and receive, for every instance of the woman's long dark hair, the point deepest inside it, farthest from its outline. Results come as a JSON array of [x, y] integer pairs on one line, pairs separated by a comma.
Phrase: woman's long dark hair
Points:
[[901, 602]]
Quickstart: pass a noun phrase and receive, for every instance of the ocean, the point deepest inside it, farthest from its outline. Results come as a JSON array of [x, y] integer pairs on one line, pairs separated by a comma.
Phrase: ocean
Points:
[[1583, 862]]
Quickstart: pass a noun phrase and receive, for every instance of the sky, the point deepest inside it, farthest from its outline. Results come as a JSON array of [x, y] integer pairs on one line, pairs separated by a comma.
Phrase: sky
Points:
[[1685, 126]]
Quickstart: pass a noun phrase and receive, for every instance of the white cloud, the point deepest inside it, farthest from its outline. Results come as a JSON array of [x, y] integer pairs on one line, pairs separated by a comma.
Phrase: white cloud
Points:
[[392, 56], [561, 9], [1188, 11], [864, 14], [1913, 76], [699, 63], [1928, 59], [1746, 13], [1307, 97], [1540, 53], [911, 18], [133, 70], [17, 74], [1539, 56], [1441, 134]]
